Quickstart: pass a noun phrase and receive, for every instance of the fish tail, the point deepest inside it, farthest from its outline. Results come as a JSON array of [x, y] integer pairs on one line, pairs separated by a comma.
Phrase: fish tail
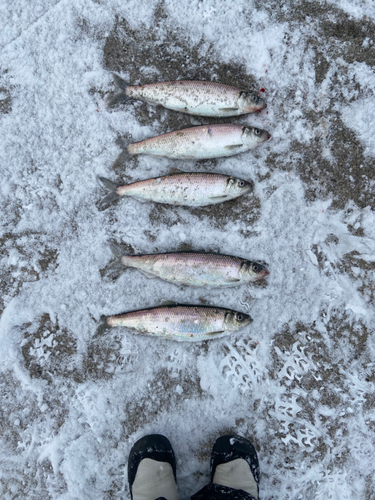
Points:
[[102, 328], [119, 263], [116, 250], [111, 196], [110, 185], [127, 149], [116, 267], [121, 84], [121, 97]]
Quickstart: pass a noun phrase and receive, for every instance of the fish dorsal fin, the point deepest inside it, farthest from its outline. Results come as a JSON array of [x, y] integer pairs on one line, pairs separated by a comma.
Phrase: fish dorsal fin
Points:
[[174, 170], [169, 303], [184, 247], [187, 248]]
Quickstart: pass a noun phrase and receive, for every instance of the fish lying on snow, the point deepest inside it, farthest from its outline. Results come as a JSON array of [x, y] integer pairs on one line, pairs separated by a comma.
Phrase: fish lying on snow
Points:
[[187, 189], [180, 322], [192, 97], [190, 268], [203, 142]]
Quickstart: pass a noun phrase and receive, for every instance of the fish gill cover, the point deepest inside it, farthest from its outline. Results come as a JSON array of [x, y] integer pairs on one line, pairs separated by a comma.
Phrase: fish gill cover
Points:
[[299, 381]]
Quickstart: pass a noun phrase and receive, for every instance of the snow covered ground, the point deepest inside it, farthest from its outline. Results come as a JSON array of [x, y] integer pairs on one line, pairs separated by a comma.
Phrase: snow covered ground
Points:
[[299, 381]]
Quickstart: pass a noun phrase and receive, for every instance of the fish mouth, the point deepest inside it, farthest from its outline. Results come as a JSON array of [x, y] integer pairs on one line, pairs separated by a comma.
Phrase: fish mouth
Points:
[[247, 321], [263, 274], [260, 108], [269, 137]]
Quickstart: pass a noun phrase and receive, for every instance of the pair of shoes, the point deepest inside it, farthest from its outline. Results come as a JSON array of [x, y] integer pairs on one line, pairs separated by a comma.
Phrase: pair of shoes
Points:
[[152, 469]]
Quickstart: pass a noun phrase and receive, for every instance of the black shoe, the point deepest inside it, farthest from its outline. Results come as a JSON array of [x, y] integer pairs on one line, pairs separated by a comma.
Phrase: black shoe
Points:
[[152, 469], [234, 464]]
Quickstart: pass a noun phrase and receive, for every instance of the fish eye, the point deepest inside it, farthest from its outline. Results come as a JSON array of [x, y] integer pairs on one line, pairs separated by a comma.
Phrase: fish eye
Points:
[[241, 183], [256, 131], [239, 317], [254, 97], [256, 267]]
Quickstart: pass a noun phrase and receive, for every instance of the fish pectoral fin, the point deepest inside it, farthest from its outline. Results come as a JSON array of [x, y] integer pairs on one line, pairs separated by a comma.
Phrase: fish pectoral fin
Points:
[[234, 280], [232, 147], [145, 273], [216, 333], [138, 198], [228, 110], [223, 197]]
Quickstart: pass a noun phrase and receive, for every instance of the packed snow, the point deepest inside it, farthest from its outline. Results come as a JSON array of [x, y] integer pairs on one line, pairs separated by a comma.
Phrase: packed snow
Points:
[[299, 381]]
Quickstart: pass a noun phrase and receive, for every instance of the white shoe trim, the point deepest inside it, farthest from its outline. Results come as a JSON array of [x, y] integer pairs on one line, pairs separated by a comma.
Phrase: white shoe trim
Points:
[[153, 480], [236, 474]]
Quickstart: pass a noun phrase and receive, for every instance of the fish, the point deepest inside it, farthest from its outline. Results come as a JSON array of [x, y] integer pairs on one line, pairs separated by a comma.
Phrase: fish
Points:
[[202, 142], [179, 322], [189, 268], [182, 188], [192, 97]]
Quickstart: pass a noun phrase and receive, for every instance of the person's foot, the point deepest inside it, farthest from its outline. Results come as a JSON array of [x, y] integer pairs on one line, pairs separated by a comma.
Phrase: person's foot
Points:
[[152, 469], [234, 463]]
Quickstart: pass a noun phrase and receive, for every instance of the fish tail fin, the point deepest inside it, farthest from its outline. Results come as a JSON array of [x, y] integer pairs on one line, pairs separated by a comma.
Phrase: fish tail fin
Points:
[[116, 250], [108, 184], [121, 84], [121, 97], [125, 153], [126, 148], [114, 269], [102, 328], [111, 196], [117, 266]]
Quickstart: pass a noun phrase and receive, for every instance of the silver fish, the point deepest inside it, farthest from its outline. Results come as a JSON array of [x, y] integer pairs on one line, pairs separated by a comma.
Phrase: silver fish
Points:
[[187, 189], [180, 322], [203, 142], [190, 268], [192, 97]]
